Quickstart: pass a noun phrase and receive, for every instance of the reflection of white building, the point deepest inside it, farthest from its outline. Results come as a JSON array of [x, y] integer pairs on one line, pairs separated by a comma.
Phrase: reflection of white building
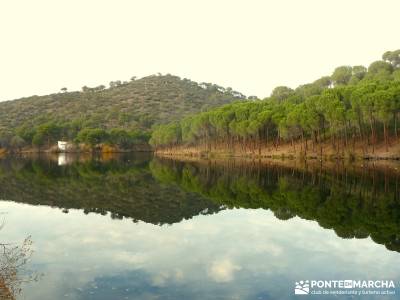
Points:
[[62, 146], [62, 159]]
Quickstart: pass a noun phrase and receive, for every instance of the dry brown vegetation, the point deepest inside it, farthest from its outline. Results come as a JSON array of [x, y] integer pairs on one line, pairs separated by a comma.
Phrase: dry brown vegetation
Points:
[[13, 260], [323, 151]]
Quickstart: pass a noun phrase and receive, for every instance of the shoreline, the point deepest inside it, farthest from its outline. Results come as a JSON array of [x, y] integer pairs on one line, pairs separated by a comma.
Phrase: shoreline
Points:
[[82, 150], [335, 166], [321, 152]]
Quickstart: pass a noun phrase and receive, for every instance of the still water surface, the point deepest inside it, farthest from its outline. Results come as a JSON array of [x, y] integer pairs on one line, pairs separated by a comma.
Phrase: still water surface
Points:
[[134, 227]]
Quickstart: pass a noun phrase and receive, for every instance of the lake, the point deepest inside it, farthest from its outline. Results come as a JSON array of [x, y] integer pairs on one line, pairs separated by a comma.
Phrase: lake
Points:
[[138, 227]]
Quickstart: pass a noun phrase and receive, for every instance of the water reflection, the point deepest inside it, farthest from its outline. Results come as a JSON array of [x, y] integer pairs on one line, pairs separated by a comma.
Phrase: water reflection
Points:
[[236, 230], [355, 202], [122, 186]]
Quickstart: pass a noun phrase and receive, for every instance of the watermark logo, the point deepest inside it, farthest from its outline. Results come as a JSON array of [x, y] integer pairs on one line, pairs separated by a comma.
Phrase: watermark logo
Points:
[[345, 287], [302, 287]]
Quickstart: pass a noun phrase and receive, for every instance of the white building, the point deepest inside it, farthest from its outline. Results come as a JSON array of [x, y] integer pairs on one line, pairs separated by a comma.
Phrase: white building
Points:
[[62, 146]]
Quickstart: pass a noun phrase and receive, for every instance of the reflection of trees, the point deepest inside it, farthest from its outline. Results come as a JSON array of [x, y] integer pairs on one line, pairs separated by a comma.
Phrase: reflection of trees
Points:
[[13, 260], [354, 203], [120, 188]]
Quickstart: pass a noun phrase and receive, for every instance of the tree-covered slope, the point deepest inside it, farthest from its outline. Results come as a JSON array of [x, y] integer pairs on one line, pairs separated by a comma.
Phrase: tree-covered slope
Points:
[[354, 105], [133, 105]]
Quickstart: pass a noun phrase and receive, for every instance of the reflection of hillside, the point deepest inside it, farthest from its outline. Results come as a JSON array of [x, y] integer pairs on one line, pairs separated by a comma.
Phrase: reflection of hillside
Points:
[[123, 187], [354, 204]]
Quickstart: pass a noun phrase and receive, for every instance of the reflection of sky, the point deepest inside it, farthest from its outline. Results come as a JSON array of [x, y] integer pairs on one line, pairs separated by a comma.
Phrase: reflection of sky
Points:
[[236, 254]]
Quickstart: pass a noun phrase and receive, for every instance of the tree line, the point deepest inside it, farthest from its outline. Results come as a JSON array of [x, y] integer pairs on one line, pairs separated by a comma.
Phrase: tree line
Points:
[[47, 134], [354, 104]]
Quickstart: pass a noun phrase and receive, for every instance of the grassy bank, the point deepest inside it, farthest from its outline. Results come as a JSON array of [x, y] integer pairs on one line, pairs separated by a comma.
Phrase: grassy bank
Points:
[[323, 151]]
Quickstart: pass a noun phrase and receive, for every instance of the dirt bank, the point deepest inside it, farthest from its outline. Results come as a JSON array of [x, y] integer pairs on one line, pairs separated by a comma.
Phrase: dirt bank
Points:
[[325, 151]]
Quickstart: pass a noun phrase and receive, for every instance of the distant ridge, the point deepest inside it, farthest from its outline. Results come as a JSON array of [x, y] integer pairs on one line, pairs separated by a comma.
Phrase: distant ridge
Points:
[[133, 105]]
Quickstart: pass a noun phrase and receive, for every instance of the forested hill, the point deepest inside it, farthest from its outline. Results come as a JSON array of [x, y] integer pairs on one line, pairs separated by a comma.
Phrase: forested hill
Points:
[[355, 109], [131, 106]]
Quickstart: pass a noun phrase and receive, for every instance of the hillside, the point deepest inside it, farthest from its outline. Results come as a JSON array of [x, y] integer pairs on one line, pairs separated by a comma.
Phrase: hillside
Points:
[[354, 112], [131, 106]]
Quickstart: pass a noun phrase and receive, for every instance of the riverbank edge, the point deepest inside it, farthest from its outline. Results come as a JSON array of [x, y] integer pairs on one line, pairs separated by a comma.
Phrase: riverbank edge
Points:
[[76, 150], [304, 165], [324, 152]]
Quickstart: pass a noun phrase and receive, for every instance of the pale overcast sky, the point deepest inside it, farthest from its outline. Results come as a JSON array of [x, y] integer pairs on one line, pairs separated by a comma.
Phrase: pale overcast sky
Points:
[[251, 46]]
